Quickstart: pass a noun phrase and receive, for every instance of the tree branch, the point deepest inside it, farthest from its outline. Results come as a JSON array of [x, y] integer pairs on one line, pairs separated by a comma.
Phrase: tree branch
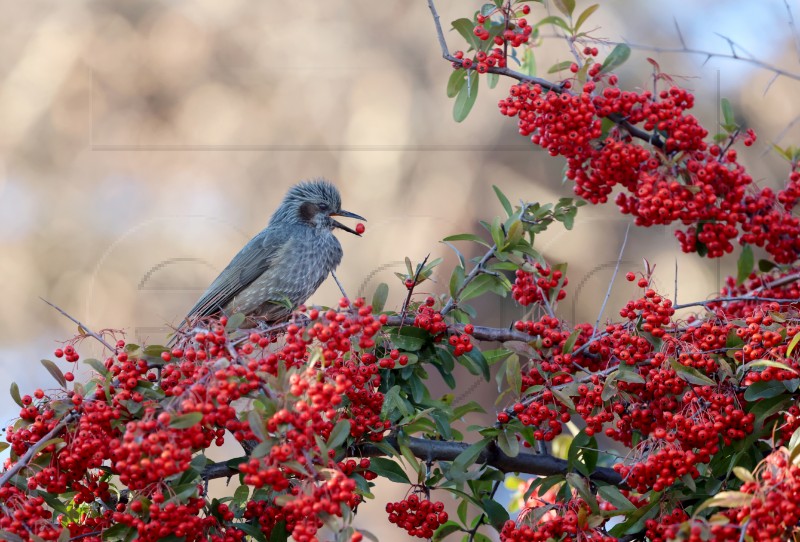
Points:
[[440, 450], [482, 333]]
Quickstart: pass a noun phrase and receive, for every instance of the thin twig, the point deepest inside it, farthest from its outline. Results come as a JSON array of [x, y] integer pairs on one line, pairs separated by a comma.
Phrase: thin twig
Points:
[[675, 298], [339, 284], [469, 278], [743, 298], [793, 277], [404, 312], [793, 28], [611, 282], [439, 31], [82, 327], [733, 55]]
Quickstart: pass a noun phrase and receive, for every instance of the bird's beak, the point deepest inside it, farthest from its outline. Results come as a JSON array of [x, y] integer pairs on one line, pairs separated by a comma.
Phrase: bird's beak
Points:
[[348, 214]]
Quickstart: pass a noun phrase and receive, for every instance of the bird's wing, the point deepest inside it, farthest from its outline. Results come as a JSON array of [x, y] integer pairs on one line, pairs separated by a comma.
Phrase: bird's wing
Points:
[[253, 260]]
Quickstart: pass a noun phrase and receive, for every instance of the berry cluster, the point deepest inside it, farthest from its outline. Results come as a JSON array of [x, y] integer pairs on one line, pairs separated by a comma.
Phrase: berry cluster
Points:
[[418, 516], [537, 286], [564, 521], [430, 319], [146, 426]]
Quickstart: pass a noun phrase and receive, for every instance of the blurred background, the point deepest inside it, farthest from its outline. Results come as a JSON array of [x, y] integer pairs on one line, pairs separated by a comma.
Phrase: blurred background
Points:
[[143, 143]]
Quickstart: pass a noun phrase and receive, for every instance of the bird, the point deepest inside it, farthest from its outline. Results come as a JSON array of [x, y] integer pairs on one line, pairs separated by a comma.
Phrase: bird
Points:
[[285, 263]]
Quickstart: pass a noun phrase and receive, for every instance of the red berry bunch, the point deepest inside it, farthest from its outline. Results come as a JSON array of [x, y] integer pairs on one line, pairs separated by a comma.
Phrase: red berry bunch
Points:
[[461, 344], [430, 319], [418, 516], [771, 515], [482, 61], [26, 512], [534, 287], [565, 521], [69, 354]]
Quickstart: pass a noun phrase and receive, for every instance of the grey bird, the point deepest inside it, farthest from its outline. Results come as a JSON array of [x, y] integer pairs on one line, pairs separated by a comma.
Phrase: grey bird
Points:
[[286, 262]]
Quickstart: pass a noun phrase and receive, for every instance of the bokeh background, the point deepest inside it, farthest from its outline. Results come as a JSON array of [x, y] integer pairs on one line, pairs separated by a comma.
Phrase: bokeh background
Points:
[[143, 143]]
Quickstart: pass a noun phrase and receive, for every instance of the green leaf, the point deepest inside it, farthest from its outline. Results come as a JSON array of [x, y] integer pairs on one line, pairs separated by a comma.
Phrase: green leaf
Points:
[[466, 28], [457, 280], [409, 338], [764, 390], [555, 21], [636, 519], [119, 533], [388, 469], [456, 81], [570, 342], [514, 375], [461, 410], [792, 345], [278, 533], [379, 297], [565, 6], [563, 398], [582, 454], [585, 15], [10, 537], [690, 374], [744, 266], [507, 442], [475, 363], [97, 365], [616, 58], [581, 485], [726, 499], [765, 266], [492, 79], [339, 434], [466, 97], [53, 502], [528, 62], [561, 66], [765, 363], [234, 322], [185, 421], [495, 356], [55, 372], [479, 285], [240, 495], [503, 200], [15, 394], [470, 454], [497, 514], [466, 237], [256, 424], [446, 529], [727, 112], [613, 495], [743, 474]]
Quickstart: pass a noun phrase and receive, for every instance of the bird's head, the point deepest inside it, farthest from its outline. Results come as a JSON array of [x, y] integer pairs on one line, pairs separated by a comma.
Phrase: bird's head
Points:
[[314, 204]]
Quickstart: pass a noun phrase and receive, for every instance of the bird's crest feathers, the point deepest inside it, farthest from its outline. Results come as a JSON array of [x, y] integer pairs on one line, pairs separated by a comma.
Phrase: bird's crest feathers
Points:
[[319, 192]]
